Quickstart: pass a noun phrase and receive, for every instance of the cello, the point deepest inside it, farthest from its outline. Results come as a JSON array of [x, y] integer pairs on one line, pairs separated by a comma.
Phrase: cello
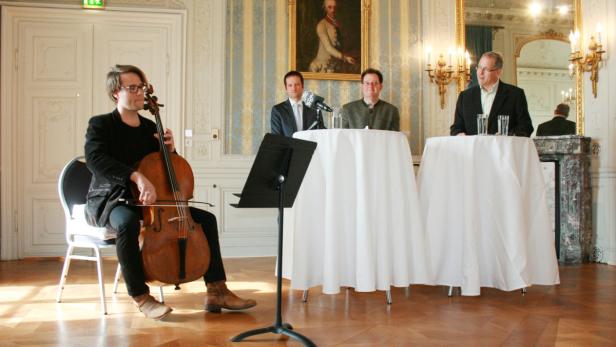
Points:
[[174, 248]]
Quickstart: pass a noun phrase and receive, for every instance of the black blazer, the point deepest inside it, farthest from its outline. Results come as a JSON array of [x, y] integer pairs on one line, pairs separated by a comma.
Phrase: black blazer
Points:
[[283, 121], [556, 126], [111, 159], [509, 100]]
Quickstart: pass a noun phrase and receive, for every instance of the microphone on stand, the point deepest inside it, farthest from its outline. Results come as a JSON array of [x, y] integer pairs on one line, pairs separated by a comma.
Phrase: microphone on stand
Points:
[[315, 102]]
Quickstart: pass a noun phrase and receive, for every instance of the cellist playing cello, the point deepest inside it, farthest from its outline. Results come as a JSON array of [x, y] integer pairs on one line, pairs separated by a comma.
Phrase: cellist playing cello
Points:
[[115, 142]]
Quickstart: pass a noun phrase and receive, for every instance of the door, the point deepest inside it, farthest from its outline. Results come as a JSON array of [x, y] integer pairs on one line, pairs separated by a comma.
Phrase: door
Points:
[[55, 81]]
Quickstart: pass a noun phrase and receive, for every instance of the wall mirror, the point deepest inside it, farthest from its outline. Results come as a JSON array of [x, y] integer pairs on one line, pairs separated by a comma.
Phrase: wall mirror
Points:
[[535, 47]]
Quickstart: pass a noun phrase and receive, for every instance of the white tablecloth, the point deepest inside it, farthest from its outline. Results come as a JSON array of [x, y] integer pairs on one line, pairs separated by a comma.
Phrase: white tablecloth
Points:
[[356, 220], [484, 209]]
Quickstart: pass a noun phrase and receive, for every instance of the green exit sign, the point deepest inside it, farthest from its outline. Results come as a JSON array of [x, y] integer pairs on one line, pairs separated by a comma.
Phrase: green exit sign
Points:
[[96, 4]]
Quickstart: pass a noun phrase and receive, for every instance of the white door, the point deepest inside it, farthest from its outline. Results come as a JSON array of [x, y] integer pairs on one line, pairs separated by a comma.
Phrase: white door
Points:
[[53, 82]]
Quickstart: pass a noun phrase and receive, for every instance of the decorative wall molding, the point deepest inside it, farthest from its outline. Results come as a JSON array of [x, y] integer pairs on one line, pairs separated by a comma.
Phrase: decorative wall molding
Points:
[[518, 17]]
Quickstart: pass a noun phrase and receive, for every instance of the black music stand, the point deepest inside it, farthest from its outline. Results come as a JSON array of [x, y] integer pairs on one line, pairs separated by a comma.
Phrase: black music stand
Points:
[[274, 180]]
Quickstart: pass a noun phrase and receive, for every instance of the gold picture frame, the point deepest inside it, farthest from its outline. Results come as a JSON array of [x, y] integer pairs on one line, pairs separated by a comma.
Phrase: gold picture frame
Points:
[[313, 56]]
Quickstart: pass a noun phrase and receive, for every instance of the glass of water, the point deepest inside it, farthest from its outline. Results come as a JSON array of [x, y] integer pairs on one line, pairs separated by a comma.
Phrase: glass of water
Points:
[[336, 119], [503, 124], [482, 124]]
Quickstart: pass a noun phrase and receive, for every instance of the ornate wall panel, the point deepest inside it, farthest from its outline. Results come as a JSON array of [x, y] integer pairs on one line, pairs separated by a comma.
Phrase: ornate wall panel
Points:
[[52, 119], [54, 58], [47, 214]]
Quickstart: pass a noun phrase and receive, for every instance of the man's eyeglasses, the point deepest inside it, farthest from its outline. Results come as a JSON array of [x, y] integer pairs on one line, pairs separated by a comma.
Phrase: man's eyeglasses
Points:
[[371, 84], [134, 89], [485, 68]]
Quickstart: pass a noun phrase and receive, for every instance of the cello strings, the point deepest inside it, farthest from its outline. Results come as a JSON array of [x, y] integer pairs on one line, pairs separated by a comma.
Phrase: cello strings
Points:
[[182, 213]]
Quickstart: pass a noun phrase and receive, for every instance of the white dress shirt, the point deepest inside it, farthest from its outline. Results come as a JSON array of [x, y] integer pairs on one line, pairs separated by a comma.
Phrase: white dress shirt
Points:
[[487, 97], [298, 108]]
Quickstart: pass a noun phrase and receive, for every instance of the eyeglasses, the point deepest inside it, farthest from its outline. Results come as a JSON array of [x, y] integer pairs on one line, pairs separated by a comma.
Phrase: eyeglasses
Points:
[[134, 89], [485, 68], [371, 84]]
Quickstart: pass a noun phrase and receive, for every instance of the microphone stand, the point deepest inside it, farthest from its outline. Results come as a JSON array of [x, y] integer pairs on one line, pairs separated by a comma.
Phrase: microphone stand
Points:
[[317, 123]]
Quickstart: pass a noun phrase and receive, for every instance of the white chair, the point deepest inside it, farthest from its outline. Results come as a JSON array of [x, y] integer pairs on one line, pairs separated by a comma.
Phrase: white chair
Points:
[[72, 188]]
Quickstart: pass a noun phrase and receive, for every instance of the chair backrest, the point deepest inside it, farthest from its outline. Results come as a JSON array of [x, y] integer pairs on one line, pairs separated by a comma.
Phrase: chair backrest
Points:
[[73, 184]]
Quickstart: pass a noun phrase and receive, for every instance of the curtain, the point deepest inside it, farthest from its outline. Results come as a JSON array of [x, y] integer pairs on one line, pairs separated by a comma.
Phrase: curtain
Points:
[[478, 41]]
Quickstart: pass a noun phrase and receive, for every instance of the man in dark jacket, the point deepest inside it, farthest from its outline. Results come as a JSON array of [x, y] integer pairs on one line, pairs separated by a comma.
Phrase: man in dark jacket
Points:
[[492, 97], [292, 114], [559, 125]]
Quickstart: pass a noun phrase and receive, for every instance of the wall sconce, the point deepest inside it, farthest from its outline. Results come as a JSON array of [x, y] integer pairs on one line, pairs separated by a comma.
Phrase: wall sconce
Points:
[[568, 96], [444, 72], [589, 61]]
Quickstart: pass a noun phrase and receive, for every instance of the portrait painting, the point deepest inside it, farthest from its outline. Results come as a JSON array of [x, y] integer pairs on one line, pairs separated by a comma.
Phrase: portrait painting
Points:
[[328, 38]]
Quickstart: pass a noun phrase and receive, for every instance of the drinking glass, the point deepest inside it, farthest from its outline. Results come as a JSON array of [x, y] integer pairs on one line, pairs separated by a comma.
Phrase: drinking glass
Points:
[[482, 124], [503, 124]]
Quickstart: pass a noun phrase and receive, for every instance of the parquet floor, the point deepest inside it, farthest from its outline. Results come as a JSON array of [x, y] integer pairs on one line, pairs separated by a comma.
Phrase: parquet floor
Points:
[[579, 312]]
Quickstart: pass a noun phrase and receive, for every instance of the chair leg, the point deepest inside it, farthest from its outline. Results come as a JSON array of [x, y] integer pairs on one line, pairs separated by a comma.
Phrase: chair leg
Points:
[[117, 278], [67, 263], [305, 295], [388, 296], [450, 292], [161, 295], [101, 284]]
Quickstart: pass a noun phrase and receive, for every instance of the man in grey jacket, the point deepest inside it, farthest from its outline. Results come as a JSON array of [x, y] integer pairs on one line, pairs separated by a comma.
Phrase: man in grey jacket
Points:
[[370, 111]]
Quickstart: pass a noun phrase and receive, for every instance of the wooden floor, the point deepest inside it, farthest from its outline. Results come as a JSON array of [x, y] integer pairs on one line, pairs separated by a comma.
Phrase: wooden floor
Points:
[[580, 311]]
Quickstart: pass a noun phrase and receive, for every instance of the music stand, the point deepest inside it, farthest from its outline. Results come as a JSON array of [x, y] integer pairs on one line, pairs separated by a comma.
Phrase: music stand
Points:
[[273, 181]]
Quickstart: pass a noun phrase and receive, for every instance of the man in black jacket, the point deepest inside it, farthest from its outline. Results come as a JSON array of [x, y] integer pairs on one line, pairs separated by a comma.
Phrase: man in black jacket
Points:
[[292, 114], [559, 125], [115, 143], [492, 97]]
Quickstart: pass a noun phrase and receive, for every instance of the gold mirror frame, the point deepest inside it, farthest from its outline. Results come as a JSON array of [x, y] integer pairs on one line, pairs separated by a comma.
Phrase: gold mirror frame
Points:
[[579, 85], [521, 41]]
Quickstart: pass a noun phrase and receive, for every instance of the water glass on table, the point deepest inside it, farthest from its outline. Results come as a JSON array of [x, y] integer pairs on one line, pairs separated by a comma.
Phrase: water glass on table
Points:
[[336, 120], [482, 124], [503, 125]]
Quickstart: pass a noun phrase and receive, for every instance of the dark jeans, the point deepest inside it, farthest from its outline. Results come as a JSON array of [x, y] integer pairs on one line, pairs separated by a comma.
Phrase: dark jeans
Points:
[[126, 220]]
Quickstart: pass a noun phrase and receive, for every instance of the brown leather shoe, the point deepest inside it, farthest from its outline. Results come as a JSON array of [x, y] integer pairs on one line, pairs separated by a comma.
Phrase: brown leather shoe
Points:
[[151, 308], [219, 297]]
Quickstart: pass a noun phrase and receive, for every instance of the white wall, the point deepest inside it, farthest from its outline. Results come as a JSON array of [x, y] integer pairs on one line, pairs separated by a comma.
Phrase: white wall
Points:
[[600, 114]]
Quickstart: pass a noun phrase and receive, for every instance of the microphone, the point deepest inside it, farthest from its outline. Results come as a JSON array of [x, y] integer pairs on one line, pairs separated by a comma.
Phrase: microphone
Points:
[[315, 102]]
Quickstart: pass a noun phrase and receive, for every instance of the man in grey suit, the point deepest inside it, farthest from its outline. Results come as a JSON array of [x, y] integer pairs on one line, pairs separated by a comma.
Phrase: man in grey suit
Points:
[[292, 114], [493, 97], [559, 125], [370, 111]]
